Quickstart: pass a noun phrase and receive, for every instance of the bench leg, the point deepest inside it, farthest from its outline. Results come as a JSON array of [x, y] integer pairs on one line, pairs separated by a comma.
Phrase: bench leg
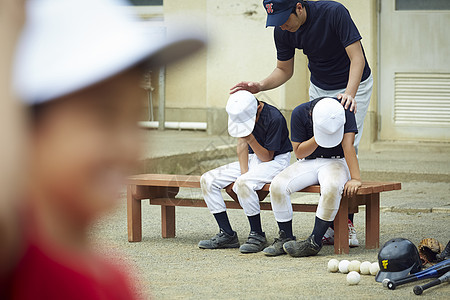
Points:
[[341, 228], [373, 221], [167, 221], [134, 220]]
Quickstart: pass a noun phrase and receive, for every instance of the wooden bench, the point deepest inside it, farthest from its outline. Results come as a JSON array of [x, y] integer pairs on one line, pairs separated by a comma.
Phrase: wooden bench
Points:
[[161, 189]]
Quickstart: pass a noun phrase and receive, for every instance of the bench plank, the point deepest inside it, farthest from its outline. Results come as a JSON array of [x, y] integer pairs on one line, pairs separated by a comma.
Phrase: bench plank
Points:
[[193, 181], [229, 204]]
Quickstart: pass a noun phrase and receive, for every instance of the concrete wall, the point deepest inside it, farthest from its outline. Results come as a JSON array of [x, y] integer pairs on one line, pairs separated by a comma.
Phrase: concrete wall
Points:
[[241, 48]]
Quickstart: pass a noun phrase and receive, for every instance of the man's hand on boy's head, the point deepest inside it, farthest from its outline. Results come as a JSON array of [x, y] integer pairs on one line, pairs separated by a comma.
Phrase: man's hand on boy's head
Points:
[[348, 101], [252, 87], [351, 187]]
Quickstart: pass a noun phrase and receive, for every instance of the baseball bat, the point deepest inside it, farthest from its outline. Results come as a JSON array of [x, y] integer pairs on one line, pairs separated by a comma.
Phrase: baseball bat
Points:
[[442, 263], [432, 272], [418, 289]]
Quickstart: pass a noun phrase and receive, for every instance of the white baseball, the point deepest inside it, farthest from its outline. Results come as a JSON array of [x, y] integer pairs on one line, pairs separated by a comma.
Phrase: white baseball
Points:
[[333, 265], [364, 268], [353, 278], [354, 266], [374, 268], [343, 266]]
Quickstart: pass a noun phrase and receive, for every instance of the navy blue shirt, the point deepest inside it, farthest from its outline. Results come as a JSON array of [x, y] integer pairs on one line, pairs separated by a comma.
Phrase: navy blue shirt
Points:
[[323, 37], [271, 131], [302, 129]]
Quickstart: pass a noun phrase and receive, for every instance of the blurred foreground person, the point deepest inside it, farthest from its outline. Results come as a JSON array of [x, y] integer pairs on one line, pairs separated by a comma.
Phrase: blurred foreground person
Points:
[[78, 67], [12, 137]]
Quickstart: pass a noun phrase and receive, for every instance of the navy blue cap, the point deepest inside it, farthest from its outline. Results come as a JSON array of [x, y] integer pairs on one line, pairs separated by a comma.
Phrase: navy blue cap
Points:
[[278, 11]]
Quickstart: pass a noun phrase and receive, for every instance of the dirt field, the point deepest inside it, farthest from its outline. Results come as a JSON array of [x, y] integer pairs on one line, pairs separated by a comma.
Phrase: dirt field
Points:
[[177, 268]]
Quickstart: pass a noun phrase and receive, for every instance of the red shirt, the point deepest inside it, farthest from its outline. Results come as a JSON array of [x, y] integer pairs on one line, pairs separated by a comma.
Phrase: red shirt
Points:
[[41, 276]]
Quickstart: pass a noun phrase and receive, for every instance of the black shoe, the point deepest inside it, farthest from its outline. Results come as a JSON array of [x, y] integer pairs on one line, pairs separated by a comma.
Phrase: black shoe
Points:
[[307, 247], [220, 241], [277, 246], [255, 243], [444, 254]]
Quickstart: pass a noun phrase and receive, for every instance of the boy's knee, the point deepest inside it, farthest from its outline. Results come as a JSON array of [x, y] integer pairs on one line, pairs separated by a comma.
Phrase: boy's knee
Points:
[[206, 181], [241, 184], [329, 205], [278, 189], [242, 187], [331, 194]]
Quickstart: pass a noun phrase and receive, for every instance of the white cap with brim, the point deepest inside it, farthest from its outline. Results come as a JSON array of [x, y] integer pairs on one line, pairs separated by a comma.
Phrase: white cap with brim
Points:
[[328, 122], [241, 108], [68, 45]]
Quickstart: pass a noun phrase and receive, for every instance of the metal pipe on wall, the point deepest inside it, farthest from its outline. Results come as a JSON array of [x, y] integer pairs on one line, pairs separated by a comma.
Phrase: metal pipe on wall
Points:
[[162, 98], [175, 125]]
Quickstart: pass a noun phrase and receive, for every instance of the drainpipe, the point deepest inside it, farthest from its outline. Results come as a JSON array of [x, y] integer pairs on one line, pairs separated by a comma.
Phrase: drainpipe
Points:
[[162, 98], [175, 125]]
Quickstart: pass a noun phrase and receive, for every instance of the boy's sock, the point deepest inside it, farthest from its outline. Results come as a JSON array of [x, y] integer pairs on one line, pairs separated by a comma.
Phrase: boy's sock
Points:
[[255, 223], [320, 227], [350, 217], [223, 222], [286, 227]]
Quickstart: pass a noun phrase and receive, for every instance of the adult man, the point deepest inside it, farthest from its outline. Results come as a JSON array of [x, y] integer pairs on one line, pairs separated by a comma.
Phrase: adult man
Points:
[[263, 151], [327, 35], [331, 41]]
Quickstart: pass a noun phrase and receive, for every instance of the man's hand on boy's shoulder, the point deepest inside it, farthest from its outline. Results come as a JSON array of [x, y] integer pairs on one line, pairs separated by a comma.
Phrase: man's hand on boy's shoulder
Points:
[[348, 101], [351, 187]]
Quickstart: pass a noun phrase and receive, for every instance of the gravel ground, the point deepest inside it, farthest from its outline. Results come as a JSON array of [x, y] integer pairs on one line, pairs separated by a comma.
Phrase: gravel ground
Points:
[[177, 268]]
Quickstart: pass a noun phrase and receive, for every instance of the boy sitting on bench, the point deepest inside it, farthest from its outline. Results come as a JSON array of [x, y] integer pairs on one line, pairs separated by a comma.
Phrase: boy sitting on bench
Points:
[[263, 150], [322, 134]]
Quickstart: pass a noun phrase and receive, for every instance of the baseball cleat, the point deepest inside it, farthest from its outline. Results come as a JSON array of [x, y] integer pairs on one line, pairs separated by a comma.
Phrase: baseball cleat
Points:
[[277, 246], [328, 238], [255, 243], [221, 240], [303, 248], [352, 240]]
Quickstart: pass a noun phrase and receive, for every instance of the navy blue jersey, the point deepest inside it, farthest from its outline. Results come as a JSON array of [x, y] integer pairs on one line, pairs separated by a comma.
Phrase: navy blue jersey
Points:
[[323, 37], [302, 129], [271, 131]]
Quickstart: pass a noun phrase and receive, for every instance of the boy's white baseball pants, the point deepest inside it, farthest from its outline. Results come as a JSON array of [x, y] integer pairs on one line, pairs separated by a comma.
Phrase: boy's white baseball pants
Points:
[[331, 173], [259, 173]]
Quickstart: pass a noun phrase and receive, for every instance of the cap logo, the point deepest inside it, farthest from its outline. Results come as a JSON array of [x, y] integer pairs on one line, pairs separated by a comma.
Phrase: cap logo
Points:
[[269, 8], [385, 263]]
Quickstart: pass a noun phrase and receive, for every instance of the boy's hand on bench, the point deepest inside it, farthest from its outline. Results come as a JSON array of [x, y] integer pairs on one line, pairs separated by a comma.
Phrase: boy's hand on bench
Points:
[[351, 187]]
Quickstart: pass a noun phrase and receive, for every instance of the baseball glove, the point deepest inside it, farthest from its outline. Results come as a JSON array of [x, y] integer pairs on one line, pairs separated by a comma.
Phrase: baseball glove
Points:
[[428, 249]]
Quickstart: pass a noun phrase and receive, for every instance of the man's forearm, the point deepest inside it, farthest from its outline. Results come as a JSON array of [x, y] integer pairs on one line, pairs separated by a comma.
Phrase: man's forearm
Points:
[[242, 154], [282, 73], [275, 79], [354, 78]]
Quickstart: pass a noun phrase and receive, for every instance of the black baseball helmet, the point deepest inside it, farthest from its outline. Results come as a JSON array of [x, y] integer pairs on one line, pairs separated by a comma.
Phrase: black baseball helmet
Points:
[[397, 259]]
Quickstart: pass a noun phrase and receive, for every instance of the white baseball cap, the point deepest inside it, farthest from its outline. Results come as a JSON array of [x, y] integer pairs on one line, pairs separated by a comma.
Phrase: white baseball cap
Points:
[[67, 45], [241, 109], [328, 122]]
